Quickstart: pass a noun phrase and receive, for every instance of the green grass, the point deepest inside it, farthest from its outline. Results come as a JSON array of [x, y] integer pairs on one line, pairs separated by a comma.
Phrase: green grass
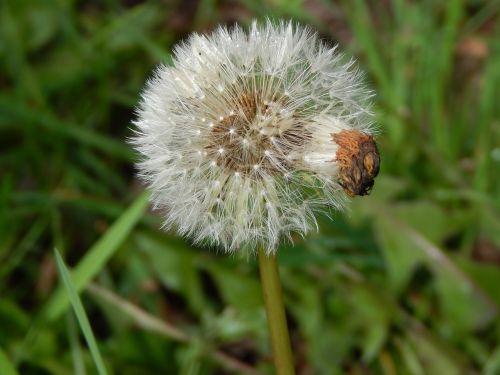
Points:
[[6, 366], [405, 282], [83, 321], [97, 256]]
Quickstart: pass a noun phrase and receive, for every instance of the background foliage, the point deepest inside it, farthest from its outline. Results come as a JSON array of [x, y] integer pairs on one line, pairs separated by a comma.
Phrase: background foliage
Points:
[[406, 282]]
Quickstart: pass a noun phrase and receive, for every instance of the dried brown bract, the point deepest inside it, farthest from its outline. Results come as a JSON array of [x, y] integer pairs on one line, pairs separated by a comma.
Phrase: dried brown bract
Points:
[[359, 161]]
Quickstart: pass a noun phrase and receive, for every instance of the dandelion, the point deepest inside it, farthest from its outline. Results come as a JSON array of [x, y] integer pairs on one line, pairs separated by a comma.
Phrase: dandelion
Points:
[[247, 136], [241, 137]]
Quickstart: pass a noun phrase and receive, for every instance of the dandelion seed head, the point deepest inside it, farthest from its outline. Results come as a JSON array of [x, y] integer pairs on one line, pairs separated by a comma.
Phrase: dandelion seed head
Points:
[[249, 118]]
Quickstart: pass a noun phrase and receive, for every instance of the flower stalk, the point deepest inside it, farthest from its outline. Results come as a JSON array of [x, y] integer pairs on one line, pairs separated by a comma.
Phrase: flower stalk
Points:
[[275, 310]]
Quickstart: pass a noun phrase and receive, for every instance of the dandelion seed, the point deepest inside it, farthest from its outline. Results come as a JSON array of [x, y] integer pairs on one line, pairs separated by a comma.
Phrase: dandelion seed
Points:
[[295, 115]]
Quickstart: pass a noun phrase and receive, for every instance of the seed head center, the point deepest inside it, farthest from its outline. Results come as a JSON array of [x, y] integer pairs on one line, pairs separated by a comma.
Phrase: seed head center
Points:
[[252, 138]]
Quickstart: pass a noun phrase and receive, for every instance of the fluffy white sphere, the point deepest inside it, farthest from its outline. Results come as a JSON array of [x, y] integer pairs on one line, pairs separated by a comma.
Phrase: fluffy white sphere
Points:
[[237, 138]]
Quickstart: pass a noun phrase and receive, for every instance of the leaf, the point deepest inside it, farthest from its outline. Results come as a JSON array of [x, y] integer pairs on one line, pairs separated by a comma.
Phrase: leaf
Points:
[[485, 275], [234, 324], [175, 265], [425, 217], [74, 343], [492, 366], [465, 306], [434, 359], [239, 289], [6, 367], [409, 357], [98, 255], [13, 320], [373, 312], [402, 256], [462, 307], [80, 314]]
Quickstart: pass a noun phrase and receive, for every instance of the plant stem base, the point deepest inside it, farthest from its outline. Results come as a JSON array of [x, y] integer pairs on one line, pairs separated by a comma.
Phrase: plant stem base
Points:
[[275, 309]]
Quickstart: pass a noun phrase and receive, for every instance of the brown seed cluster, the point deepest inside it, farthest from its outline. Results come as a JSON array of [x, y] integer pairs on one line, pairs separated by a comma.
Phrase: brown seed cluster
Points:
[[237, 142], [359, 161]]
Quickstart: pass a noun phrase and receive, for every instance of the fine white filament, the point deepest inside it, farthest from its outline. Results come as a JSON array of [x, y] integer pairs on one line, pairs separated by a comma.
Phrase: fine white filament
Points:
[[236, 136]]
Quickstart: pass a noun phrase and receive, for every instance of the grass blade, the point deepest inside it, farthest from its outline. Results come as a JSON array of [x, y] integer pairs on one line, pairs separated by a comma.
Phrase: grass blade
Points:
[[80, 314], [76, 351], [46, 122], [98, 255], [6, 368]]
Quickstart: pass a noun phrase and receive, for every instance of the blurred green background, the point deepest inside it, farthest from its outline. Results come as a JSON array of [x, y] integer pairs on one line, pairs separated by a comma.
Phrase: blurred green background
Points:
[[405, 282]]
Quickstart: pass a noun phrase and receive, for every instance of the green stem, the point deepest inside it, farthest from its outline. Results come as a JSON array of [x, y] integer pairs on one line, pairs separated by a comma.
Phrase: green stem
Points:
[[275, 309]]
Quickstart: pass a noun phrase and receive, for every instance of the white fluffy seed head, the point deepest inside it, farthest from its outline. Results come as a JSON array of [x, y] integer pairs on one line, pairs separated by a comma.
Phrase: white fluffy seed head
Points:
[[236, 136]]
